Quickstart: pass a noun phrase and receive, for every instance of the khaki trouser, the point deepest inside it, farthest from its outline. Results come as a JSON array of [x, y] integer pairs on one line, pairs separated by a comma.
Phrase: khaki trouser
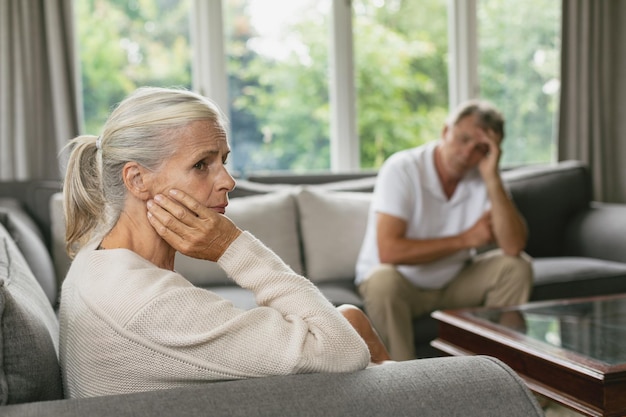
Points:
[[392, 302]]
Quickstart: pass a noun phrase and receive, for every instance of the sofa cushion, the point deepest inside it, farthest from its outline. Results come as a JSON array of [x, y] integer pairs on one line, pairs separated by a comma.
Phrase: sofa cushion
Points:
[[270, 217], [60, 257], [364, 185], [567, 277], [29, 333], [598, 232], [332, 224], [29, 240], [549, 196]]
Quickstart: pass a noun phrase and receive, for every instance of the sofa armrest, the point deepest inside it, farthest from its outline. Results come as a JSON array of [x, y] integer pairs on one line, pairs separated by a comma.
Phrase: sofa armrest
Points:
[[599, 232], [468, 386]]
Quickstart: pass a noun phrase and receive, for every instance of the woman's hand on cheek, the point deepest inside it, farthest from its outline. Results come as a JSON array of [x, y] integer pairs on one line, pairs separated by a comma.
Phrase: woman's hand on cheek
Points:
[[189, 227]]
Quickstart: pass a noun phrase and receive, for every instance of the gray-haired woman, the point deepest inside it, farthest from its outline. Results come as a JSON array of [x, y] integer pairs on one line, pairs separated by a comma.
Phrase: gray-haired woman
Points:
[[154, 183]]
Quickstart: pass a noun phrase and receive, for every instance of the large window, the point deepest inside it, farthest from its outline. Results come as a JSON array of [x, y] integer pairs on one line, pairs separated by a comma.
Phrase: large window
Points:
[[278, 84], [125, 44], [318, 85], [401, 75], [519, 67]]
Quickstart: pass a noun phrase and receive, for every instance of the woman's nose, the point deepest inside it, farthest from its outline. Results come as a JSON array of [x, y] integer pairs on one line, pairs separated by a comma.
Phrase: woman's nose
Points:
[[226, 181]]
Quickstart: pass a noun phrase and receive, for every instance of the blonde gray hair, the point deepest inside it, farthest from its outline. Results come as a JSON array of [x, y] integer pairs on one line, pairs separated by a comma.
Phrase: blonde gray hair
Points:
[[142, 128]]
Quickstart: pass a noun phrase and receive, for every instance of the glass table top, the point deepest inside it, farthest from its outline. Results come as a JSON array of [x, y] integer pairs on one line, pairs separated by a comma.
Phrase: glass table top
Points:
[[595, 328]]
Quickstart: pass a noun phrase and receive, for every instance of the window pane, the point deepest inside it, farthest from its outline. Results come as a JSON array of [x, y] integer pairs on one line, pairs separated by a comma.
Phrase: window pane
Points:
[[519, 48], [401, 63], [125, 44], [278, 84]]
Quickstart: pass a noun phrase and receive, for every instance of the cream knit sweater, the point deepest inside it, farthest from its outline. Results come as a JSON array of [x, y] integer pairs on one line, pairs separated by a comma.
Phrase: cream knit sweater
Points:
[[129, 326]]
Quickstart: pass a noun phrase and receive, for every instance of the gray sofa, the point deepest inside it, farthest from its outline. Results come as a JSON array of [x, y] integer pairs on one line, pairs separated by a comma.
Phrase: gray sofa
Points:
[[30, 380], [317, 222]]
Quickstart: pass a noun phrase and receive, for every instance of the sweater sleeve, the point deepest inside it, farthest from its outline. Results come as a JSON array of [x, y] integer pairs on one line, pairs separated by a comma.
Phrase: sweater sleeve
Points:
[[294, 329]]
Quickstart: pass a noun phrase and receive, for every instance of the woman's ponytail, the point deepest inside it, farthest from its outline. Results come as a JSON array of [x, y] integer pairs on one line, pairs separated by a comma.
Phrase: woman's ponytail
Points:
[[83, 200]]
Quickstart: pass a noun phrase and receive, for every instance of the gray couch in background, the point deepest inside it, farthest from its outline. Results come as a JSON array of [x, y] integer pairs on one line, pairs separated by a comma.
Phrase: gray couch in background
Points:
[[30, 380], [316, 222]]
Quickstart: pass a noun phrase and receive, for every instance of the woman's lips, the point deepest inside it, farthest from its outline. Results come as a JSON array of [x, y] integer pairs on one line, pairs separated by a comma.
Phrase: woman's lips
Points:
[[220, 209]]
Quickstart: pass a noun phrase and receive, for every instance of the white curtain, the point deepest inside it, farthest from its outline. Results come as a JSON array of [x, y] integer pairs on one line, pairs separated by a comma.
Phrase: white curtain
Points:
[[592, 126], [39, 102]]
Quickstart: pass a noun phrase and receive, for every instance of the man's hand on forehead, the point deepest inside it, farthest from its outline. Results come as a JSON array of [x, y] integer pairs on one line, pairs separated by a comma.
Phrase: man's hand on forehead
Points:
[[487, 135]]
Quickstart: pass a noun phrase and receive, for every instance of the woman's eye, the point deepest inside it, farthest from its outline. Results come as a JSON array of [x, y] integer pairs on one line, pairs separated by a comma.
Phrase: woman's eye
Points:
[[200, 165]]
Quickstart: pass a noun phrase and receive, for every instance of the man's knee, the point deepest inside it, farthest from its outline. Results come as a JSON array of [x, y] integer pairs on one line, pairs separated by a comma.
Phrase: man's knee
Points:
[[384, 284], [518, 268], [515, 279]]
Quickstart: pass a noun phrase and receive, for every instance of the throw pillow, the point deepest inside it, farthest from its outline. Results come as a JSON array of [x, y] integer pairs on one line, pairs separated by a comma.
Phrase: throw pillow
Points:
[[270, 217], [29, 332], [29, 241], [333, 225]]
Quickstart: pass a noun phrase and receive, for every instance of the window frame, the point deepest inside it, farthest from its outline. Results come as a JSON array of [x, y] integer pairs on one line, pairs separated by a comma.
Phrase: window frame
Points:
[[210, 74]]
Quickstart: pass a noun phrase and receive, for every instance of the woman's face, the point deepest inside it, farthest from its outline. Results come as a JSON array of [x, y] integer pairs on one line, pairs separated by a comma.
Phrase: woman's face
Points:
[[197, 167]]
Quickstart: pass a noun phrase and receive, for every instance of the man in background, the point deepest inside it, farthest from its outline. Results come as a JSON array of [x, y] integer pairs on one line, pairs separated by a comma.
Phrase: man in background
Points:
[[434, 207]]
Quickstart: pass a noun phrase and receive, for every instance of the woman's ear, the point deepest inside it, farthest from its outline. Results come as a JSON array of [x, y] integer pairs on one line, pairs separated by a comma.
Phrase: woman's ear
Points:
[[135, 176]]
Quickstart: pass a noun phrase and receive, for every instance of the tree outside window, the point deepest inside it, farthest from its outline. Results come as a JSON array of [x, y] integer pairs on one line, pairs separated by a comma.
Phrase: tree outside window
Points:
[[278, 72]]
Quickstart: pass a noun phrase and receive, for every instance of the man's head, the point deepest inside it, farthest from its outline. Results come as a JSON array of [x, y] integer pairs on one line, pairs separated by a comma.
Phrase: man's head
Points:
[[487, 115], [470, 132]]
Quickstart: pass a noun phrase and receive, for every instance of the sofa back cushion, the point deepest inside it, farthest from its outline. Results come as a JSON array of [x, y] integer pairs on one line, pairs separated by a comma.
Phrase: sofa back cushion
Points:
[[270, 217], [333, 225], [549, 196], [61, 259], [29, 332], [268, 212], [29, 239]]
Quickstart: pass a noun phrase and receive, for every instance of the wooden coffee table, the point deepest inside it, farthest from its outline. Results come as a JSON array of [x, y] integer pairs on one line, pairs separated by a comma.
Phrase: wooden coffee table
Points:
[[572, 351]]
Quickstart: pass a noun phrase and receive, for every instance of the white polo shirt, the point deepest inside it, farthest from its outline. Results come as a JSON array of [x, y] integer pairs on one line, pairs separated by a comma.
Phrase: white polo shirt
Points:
[[408, 187]]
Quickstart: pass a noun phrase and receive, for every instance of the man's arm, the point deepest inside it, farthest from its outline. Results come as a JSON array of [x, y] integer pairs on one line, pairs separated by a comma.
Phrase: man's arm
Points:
[[395, 248], [509, 227]]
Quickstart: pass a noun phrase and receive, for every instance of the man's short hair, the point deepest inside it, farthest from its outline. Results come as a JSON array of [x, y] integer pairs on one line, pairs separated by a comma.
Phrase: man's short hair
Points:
[[490, 117]]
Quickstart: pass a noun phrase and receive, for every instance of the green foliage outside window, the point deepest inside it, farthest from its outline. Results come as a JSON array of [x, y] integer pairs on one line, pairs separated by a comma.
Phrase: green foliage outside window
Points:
[[402, 75], [279, 108], [125, 44], [519, 70]]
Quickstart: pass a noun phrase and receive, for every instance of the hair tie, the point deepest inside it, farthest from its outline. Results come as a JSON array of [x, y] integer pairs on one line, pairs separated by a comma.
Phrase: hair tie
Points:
[[99, 143]]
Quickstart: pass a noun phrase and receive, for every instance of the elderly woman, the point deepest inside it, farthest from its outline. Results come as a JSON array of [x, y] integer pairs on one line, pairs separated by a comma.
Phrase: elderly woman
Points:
[[154, 183]]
